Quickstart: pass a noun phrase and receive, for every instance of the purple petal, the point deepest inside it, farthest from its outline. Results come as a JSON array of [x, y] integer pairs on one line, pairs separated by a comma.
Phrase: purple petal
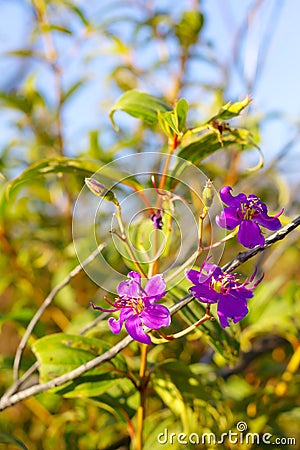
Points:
[[156, 287], [241, 293], [230, 307], [134, 327], [130, 288], [250, 235], [229, 218], [204, 293], [207, 271], [229, 199], [156, 316], [271, 223], [116, 325], [193, 276]]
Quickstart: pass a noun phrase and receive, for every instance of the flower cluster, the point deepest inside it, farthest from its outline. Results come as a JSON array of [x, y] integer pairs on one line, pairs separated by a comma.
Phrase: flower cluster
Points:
[[212, 285], [249, 213]]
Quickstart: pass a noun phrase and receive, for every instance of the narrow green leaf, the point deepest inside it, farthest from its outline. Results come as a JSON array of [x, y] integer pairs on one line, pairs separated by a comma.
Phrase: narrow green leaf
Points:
[[66, 95], [195, 149], [60, 353], [181, 110], [78, 12], [168, 123], [61, 29], [85, 168], [24, 53], [6, 438], [231, 110], [171, 396], [140, 105], [174, 122]]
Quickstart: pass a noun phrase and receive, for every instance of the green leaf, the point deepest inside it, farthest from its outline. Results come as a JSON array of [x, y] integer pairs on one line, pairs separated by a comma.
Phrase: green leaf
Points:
[[140, 105], [231, 110], [59, 28], [6, 438], [224, 341], [189, 27], [66, 95], [171, 396], [80, 167], [173, 122], [16, 101], [181, 110], [78, 12], [60, 353], [195, 149], [24, 53]]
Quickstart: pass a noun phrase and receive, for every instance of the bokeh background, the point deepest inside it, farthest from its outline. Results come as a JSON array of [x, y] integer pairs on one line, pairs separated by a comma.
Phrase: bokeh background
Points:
[[63, 63]]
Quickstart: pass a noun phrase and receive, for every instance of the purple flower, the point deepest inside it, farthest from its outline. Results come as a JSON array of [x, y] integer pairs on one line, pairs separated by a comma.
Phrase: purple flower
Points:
[[249, 213], [156, 218], [138, 307], [212, 285]]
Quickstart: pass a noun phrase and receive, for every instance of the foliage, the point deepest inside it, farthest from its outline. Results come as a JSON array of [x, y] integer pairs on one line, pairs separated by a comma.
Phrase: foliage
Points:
[[158, 131]]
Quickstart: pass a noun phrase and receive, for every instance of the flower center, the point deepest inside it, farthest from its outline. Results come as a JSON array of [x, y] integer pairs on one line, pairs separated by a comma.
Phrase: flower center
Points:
[[223, 284], [136, 304], [251, 208]]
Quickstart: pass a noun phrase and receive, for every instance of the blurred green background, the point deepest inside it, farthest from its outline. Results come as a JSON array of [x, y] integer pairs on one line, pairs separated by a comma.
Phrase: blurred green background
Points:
[[63, 64]]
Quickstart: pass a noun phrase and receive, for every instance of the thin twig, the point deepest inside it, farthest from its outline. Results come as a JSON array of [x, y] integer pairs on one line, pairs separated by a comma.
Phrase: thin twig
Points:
[[277, 236], [93, 323], [58, 381], [45, 305], [18, 383]]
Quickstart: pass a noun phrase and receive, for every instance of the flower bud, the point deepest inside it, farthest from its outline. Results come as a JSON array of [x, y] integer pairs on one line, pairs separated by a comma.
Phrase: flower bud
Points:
[[101, 191], [207, 194]]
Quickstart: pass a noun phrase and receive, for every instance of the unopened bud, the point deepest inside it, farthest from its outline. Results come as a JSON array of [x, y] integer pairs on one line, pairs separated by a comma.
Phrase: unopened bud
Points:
[[101, 191], [208, 194]]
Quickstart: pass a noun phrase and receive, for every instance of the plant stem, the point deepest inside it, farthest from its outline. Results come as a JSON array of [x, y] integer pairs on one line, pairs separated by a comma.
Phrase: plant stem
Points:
[[170, 337], [127, 245], [173, 143], [143, 395]]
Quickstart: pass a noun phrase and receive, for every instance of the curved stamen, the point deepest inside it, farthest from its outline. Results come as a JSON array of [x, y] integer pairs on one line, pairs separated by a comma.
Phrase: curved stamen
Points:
[[102, 309]]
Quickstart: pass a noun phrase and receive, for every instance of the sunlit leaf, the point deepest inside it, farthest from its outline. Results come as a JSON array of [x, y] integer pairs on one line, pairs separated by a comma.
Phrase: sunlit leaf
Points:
[[231, 110], [140, 105], [181, 110], [84, 168], [60, 353]]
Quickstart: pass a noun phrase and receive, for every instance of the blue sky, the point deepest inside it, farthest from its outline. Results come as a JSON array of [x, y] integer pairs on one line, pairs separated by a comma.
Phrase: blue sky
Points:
[[277, 89]]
